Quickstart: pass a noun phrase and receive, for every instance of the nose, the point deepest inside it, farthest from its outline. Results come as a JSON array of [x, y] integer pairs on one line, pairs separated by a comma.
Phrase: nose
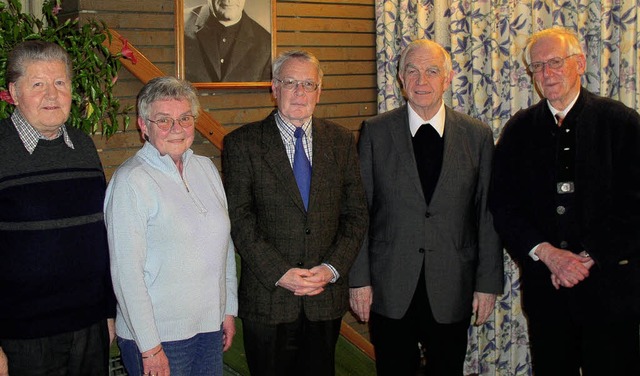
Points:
[[299, 89], [546, 70], [176, 128], [51, 91], [423, 78]]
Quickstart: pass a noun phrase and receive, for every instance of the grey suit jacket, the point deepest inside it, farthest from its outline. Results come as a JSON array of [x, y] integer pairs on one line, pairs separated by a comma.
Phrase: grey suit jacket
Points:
[[272, 231], [453, 236]]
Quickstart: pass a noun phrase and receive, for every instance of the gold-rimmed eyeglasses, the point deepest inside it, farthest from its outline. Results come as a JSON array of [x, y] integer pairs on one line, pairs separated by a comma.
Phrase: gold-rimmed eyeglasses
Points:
[[291, 84], [166, 123], [555, 63]]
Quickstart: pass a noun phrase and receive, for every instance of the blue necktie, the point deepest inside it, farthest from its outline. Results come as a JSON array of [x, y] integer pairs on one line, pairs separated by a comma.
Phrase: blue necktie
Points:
[[302, 167]]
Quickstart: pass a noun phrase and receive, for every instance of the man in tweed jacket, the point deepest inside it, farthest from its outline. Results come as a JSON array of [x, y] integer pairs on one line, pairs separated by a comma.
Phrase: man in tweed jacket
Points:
[[296, 255]]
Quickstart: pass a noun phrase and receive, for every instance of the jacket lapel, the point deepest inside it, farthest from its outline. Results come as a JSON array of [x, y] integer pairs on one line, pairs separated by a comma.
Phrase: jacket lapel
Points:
[[207, 40], [402, 142], [323, 161], [453, 143], [275, 156]]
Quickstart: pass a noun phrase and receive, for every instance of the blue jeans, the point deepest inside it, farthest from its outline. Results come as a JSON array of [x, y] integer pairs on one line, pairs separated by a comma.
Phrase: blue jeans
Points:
[[200, 355]]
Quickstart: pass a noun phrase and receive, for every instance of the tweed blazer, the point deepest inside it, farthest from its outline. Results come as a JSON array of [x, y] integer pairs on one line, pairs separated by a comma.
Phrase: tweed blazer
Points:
[[271, 229], [452, 237]]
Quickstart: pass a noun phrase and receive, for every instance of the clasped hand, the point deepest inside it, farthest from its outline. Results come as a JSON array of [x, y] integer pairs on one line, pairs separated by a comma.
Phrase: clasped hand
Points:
[[567, 268], [306, 281]]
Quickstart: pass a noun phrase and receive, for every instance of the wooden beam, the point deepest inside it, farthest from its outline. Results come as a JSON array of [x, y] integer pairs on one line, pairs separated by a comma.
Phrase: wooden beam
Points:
[[145, 70], [357, 339]]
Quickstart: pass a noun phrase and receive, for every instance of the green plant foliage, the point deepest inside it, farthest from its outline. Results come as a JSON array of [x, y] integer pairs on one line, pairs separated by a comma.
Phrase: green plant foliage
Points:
[[94, 107]]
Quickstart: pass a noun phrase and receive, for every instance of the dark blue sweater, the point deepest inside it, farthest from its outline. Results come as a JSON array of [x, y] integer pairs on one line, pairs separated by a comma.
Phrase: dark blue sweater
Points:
[[54, 258]]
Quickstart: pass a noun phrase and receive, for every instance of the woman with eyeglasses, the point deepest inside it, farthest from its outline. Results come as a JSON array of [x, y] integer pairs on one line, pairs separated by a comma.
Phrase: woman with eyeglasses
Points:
[[172, 257]]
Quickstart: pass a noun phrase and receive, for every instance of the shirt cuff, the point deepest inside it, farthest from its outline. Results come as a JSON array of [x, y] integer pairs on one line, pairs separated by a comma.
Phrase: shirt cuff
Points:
[[532, 253], [336, 275]]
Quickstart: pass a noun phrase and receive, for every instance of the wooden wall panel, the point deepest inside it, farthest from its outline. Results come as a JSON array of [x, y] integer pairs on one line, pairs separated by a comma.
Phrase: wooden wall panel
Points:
[[341, 33]]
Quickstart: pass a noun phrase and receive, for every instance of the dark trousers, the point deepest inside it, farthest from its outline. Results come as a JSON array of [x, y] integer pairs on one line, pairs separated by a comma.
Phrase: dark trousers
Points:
[[84, 352], [299, 348], [561, 347], [396, 341]]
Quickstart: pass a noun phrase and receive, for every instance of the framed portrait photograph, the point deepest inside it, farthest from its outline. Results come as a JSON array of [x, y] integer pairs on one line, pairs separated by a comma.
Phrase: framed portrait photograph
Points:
[[225, 43]]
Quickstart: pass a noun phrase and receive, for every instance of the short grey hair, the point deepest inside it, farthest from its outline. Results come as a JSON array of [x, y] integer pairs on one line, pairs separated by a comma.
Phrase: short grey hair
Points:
[[447, 66], [296, 54], [574, 46], [163, 88], [35, 50]]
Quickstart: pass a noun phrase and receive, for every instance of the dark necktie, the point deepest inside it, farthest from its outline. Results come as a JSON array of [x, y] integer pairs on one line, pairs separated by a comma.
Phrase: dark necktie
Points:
[[302, 167], [560, 118]]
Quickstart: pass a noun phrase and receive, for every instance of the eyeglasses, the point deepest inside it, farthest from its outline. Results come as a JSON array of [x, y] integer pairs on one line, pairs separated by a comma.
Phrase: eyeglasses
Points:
[[166, 123], [554, 63], [290, 84]]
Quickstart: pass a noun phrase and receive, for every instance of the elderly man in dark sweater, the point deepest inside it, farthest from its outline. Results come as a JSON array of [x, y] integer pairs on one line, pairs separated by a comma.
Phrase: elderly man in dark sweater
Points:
[[55, 287]]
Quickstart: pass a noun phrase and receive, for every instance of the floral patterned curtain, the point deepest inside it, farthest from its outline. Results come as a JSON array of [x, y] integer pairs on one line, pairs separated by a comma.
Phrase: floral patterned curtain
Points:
[[486, 39]]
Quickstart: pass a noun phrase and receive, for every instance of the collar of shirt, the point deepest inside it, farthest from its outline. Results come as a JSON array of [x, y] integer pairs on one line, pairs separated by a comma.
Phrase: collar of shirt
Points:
[[30, 135], [288, 139], [416, 121], [564, 113], [224, 23], [287, 129]]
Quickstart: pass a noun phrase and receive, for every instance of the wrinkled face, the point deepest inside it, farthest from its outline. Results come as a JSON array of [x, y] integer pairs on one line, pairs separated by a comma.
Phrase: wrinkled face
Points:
[[228, 10], [560, 85], [424, 80], [175, 141], [43, 95], [296, 105]]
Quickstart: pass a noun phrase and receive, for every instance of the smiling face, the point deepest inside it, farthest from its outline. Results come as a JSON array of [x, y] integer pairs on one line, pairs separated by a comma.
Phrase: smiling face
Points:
[[296, 105], [43, 95], [560, 85], [424, 79], [175, 141]]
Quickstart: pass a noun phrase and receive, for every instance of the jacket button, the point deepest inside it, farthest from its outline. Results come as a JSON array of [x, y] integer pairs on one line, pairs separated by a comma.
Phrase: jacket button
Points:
[[427, 214], [421, 250], [564, 244], [623, 262], [307, 231], [300, 264], [561, 210]]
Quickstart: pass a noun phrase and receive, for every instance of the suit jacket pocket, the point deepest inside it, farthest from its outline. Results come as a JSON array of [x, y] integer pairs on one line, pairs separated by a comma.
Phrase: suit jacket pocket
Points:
[[620, 288]]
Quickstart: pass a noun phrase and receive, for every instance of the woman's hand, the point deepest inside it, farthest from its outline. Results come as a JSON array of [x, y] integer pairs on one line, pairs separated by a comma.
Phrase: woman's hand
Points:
[[228, 331], [155, 362]]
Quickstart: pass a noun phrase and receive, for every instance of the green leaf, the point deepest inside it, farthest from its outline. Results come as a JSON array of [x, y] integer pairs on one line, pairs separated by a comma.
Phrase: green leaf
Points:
[[94, 66]]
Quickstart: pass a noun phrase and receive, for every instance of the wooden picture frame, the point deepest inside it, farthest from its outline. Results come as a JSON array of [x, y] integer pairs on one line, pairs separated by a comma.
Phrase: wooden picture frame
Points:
[[200, 55]]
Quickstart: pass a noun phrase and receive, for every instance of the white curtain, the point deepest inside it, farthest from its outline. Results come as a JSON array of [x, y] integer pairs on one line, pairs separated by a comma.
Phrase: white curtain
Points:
[[486, 39]]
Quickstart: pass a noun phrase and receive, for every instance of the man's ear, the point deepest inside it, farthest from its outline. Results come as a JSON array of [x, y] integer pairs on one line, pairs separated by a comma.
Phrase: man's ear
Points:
[[14, 92], [581, 61]]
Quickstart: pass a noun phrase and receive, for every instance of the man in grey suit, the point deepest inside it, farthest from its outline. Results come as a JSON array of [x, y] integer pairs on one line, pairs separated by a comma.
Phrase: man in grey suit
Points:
[[432, 257], [223, 44], [298, 216]]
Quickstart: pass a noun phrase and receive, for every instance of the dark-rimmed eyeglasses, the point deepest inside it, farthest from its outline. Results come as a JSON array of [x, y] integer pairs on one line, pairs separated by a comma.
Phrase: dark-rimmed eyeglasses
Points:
[[166, 123], [291, 84], [555, 63]]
